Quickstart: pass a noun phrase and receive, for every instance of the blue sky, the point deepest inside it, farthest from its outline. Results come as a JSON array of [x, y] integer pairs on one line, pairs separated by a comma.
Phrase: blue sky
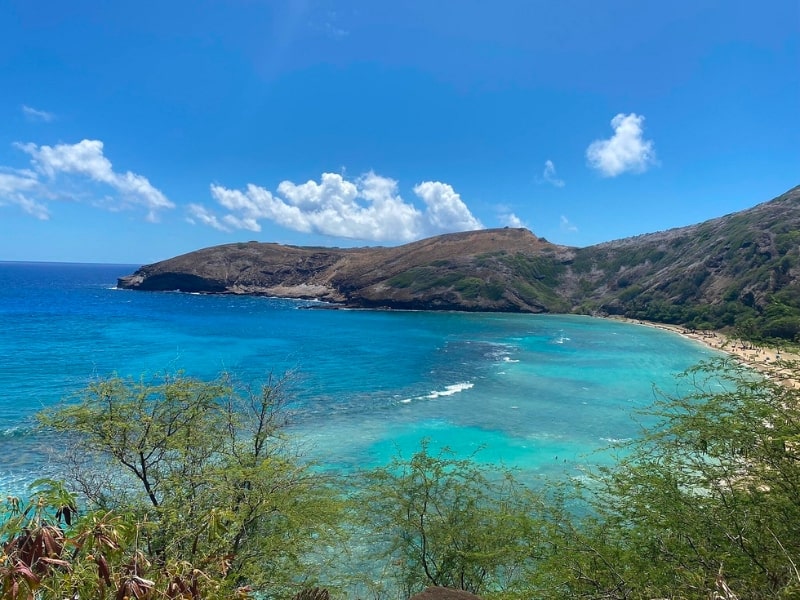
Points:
[[135, 131]]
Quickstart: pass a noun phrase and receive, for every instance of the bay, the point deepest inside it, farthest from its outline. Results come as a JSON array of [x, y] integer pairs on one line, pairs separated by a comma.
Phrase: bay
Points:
[[541, 393]]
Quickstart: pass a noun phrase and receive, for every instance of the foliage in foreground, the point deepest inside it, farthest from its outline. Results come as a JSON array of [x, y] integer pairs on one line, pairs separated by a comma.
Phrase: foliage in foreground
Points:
[[705, 505], [441, 521], [203, 490]]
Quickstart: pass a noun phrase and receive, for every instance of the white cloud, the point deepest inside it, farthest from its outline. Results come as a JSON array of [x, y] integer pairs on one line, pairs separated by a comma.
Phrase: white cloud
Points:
[[625, 151], [446, 211], [33, 114], [201, 214], [16, 187], [335, 31], [369, 208], [566, 225], [549, 175], [512, 220], [329, 25], [86, 159]]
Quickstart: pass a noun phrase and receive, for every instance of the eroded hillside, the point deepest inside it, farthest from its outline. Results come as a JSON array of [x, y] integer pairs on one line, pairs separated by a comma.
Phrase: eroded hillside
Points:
[[739, 271]]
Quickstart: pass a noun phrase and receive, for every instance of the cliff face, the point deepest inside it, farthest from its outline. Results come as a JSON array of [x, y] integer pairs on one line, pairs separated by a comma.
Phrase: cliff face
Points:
[[737, 270], [495, 270]]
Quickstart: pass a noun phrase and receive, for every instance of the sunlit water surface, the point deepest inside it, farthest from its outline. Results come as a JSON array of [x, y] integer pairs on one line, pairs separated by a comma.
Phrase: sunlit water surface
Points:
[[536, 392]]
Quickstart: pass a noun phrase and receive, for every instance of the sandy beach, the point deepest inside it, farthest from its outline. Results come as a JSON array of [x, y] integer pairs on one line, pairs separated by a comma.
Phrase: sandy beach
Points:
[[773, 362]]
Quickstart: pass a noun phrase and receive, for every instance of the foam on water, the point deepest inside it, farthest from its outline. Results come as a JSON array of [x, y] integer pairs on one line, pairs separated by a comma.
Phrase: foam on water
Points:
[[447, 391], [532, 391]]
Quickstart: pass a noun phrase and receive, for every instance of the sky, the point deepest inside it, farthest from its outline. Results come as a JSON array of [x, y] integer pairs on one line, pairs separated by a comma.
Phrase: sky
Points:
[[131, 132]]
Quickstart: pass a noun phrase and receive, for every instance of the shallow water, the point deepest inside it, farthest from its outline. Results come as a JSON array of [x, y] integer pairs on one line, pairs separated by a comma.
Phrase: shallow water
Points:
[[537, 392]]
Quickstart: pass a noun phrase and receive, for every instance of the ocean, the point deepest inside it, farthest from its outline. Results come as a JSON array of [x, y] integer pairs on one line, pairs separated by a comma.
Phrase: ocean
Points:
[[540, 393]]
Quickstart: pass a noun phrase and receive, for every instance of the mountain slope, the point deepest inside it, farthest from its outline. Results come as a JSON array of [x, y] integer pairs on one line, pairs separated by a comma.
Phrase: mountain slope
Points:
[[494, 269], [741, 270]]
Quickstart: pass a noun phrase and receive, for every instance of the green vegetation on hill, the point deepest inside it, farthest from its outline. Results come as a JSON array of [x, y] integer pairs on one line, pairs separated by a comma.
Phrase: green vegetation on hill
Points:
[[740, 273], [189, 489]]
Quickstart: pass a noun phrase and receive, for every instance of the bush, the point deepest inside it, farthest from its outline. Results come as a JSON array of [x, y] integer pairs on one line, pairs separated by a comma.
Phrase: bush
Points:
[[201, 473], [446, 522]]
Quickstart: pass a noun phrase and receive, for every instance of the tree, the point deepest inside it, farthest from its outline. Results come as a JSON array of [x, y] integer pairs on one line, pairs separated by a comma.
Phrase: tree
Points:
[[705, 505], [447, 522], [210, 500], [203, 473]]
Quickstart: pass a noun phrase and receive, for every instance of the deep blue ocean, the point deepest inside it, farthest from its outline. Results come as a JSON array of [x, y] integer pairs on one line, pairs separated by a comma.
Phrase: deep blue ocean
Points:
[[536, 392]]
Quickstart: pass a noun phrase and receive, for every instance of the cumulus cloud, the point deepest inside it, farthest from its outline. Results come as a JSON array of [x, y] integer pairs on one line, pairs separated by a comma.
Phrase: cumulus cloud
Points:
[[446, 211], [85, 160], [549, 175], [33, 114], [511, 220], [566, 225], [626, 150], [368, 208]]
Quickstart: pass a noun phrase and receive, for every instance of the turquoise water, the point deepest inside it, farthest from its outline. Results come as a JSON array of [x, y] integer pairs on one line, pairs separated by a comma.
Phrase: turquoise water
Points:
[[537, 392]]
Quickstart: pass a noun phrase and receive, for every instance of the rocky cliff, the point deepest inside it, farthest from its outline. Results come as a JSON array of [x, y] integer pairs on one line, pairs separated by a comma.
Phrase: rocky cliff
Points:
[[487, 270], [741, 270]]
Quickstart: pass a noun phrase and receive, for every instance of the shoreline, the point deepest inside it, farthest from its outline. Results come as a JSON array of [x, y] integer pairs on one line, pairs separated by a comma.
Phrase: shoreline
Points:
[[769, 361]]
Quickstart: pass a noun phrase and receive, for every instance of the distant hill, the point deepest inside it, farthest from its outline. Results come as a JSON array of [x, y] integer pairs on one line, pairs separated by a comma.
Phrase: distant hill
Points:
[[740, 271]]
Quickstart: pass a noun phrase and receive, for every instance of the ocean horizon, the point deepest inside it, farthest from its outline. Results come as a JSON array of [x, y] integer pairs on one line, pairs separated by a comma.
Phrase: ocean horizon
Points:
[[544, 394]]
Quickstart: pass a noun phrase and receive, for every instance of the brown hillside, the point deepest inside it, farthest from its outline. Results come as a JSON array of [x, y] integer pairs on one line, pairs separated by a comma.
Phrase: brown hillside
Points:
[[741, 270]]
